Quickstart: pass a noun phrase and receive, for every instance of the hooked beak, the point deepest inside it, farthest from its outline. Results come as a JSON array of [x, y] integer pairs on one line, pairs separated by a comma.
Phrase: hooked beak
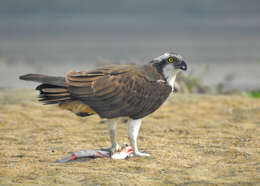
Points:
[[182, 65]]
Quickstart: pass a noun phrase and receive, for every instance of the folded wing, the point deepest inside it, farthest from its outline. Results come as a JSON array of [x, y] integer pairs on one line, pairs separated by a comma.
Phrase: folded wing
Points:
[[119, 91]]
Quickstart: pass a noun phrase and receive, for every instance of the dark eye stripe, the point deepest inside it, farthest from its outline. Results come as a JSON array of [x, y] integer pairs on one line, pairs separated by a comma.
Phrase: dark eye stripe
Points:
[[175, 59]]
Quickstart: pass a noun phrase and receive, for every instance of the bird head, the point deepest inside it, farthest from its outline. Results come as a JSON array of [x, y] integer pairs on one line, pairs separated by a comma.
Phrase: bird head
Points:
[[169, 65], [171, 59]]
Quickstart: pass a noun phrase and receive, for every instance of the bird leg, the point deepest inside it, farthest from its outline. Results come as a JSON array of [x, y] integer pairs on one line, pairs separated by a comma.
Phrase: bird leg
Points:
[[111, 127], [133, 127]]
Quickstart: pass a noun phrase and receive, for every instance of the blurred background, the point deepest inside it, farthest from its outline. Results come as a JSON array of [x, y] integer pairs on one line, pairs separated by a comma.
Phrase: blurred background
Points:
[[219, 39]]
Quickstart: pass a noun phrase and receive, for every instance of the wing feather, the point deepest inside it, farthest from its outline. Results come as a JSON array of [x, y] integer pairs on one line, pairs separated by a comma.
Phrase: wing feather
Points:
[[131, 91]]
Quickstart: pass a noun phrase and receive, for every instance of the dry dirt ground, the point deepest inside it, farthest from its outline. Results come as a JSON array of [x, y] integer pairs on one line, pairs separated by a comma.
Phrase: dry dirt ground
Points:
[[193, 140]]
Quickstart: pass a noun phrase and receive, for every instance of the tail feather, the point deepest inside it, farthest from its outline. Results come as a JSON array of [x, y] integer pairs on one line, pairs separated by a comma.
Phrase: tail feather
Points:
[[53, 94], [52, 80], [54, 90], [56, 95], [49, 101]]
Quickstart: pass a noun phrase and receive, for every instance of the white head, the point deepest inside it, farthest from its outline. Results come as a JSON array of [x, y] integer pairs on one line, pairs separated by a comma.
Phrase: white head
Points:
[[169, 65]]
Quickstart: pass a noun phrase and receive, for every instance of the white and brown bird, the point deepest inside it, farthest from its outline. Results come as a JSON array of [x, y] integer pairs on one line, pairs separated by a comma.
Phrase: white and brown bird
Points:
[[131, 91]]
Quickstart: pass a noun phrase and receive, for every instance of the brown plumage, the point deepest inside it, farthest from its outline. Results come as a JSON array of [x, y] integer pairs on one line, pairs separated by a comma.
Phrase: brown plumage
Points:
[[115, 91], [132, 91]]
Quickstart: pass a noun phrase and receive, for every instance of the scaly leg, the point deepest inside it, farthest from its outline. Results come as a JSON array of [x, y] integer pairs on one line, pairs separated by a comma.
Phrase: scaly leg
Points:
[[133, 127], [111, 127]]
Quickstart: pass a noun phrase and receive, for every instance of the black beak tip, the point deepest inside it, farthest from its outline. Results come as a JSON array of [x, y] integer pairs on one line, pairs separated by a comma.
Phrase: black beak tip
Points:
[[183, 66]]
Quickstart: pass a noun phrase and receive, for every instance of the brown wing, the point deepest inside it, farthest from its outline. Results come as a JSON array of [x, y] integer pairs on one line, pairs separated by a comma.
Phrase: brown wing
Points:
[[117, 91]]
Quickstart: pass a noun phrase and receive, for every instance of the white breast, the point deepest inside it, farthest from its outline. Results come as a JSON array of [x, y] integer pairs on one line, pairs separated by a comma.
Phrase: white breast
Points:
[[170, 74]]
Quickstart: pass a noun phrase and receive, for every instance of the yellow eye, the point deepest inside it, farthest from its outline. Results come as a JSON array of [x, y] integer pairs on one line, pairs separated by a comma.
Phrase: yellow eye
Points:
[[170, 60]]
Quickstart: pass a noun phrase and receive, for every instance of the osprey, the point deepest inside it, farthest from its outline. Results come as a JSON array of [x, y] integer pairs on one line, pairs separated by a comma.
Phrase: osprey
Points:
[[131, 91]]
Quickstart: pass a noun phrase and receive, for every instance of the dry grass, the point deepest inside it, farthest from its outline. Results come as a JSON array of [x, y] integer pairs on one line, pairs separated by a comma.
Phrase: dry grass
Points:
[[193, 139]]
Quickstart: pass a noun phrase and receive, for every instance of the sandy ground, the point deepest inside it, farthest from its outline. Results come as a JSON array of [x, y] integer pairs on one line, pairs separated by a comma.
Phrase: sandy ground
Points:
[[193, 140]]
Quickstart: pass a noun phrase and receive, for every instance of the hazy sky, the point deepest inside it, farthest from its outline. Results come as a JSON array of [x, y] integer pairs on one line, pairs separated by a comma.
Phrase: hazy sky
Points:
[[151, 7], [79, 34]]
